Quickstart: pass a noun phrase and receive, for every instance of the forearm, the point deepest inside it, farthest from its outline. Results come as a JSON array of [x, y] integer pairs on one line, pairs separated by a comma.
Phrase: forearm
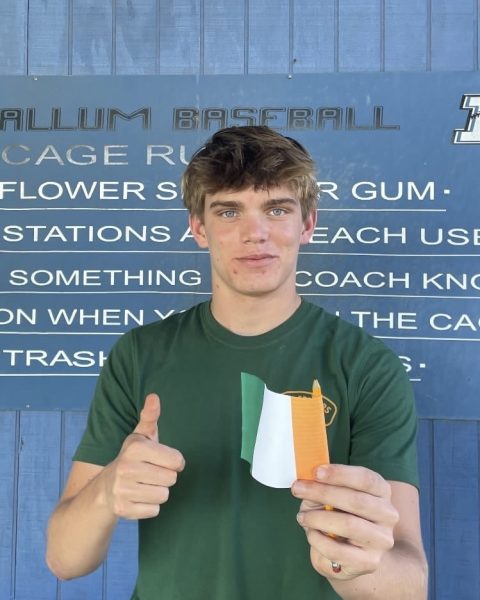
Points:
[[79, 531], [402, 575]]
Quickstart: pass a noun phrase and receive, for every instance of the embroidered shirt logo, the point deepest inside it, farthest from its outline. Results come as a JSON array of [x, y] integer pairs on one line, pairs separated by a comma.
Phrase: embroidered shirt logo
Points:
[[329, 407]]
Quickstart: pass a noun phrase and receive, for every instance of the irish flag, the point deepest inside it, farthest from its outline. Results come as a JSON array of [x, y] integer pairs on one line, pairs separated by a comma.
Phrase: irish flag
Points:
[[283, 436]]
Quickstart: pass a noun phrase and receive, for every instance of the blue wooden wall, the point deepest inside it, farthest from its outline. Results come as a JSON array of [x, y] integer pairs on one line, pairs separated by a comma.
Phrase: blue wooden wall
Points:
[[78, 37]]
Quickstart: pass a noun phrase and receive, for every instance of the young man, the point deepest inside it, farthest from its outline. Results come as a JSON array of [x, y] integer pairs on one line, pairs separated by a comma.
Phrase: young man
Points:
[[251, 194]]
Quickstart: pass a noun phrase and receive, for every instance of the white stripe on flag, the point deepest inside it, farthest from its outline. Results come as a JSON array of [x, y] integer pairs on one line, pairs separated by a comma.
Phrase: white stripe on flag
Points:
[[274, 453]]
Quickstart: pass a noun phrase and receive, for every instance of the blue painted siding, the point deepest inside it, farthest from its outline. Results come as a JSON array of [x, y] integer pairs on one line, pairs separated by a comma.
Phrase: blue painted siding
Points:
[[48, 38], [14, 37], [457, 502], [78, 37], [407, 20], [8, 499], [44, 442], [148, 37]]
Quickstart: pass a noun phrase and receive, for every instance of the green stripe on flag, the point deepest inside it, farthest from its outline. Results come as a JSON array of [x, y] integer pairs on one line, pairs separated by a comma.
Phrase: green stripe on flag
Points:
[[252, 402]]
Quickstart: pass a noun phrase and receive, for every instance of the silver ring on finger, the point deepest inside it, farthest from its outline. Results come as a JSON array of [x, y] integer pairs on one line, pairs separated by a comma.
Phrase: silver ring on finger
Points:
[[336, 566]]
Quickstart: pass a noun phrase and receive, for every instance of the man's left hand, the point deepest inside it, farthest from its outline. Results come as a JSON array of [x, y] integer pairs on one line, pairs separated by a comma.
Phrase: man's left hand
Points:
[[358, 531]]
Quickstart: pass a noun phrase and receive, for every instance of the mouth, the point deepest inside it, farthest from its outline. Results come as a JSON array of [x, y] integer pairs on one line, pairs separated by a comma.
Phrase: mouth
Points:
[[257, 260]]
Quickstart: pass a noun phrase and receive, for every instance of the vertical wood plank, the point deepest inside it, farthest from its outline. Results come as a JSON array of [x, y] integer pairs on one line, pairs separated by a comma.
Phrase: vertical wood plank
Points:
[[454, 35], [269, 37], [92, 38], [224, 37], [406, 35], [314, 36], [48, 38], [92, 585], [38, 485], [456, 473], [8, 499], [136, 37], [13, 37], [122, 562], [359, 35], [427, 504], [179, 37]]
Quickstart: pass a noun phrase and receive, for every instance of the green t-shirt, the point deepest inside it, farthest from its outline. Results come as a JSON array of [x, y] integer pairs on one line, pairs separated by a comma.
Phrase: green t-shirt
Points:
[[222, 535]]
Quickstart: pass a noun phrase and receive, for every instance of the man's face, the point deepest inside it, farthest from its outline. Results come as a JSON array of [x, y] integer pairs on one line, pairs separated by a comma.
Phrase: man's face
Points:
[[254, 239]]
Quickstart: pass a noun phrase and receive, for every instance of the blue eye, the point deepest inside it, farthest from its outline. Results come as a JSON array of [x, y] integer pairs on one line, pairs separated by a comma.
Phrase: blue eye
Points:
[[229, 214], [278, 212]]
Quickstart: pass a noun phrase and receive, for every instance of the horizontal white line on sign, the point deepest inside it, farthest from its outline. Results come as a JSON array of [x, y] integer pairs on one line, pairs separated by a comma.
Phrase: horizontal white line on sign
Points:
[[373, 254], [61, 332], [441, 210], [426, 339], [49, 374], [118, 333], [328, 294], [93, 208], [207, 253], [107, 252], [110, 292]]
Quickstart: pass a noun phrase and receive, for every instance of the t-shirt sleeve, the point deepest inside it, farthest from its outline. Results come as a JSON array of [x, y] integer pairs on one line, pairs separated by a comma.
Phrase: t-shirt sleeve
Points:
[[113, 413], [383, 421]]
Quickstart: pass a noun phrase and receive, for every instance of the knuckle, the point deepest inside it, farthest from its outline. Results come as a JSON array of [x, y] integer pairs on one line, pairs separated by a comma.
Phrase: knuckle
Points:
[[350, 523], [359, 502], [117, 489], [164, 494], [388, 540], [179, 462], [154, 511], [122, 469], [333, 471], [373, 480], [368, 566], [395, 516], [119, 509], [172, 478]]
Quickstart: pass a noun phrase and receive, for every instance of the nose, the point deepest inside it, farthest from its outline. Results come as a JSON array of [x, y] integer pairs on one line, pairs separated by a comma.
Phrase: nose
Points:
[[255, 229]]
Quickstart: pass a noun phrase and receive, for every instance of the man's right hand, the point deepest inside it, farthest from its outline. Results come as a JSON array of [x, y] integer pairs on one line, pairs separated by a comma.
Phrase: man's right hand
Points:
[[137, 482]]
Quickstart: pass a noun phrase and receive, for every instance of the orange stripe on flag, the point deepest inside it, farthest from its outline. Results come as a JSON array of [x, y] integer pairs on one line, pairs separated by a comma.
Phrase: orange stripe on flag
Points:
[[309, 435]]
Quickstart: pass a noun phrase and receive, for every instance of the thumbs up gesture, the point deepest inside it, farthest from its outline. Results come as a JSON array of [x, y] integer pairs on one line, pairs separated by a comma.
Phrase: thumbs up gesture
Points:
[[138, 480]]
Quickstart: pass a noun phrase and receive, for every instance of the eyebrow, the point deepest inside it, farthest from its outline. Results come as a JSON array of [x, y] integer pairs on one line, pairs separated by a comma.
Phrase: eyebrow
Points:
[[225, 204]]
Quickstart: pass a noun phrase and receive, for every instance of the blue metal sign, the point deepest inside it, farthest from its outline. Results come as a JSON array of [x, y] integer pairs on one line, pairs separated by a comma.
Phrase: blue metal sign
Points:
[[94, 238]]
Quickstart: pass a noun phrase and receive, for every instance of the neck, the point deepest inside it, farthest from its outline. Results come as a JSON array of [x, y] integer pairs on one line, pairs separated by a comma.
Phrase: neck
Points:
[[250, 315]]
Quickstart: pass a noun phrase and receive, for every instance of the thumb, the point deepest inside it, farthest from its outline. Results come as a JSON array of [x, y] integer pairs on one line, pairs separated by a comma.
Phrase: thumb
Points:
[[148, 423]]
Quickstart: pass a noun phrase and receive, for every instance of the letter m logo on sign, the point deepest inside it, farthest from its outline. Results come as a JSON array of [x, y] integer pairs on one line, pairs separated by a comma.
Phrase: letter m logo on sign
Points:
[[470, 134]]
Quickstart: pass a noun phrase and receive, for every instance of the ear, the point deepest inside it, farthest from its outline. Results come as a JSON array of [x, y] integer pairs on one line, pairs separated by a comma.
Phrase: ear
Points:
[[308, 227], [198, 230]]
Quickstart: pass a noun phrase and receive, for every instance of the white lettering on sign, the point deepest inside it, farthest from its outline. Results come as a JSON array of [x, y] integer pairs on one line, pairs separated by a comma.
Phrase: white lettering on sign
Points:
[[18, 316], [447, 322], [85, 233], [80, 190], [372, 280], [389, 320], [449, 281], [45, 358], [110, 277], [362, 235], [106, 317], [393, 191], [84, 155], [457, 236]]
